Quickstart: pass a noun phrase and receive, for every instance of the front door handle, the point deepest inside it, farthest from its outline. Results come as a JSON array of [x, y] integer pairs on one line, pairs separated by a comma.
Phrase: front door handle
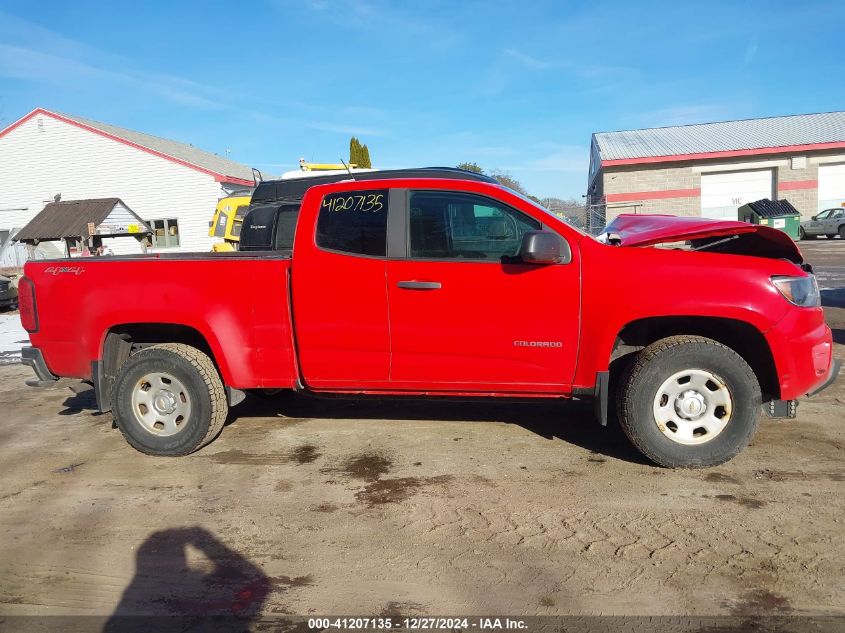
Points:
[[419, 285]]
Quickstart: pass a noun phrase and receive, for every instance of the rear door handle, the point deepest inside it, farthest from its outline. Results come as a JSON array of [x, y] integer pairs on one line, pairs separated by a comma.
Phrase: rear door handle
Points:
[[419, 285]]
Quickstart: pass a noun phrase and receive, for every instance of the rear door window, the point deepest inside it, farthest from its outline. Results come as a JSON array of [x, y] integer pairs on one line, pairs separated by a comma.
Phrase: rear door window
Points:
[[286, 227], [354, 222]]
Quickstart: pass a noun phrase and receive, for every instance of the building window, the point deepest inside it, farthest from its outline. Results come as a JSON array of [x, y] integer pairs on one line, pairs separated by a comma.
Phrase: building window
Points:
[[165, 233], [74, 246]]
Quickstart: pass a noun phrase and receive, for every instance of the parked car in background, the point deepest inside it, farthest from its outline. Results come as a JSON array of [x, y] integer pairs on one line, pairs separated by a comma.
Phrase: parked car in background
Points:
[[8, 293], [830, 222]]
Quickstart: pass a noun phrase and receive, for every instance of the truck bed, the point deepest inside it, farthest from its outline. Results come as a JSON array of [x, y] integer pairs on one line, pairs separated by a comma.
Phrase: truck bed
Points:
[[238, 302]]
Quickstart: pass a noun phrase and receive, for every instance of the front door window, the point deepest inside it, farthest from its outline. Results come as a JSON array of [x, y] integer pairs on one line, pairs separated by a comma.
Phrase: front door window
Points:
[[453, 225]]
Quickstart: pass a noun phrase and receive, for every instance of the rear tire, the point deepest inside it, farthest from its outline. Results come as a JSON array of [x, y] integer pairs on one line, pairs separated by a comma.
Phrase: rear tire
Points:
[[689, 402], [168, 400], [842, 231]]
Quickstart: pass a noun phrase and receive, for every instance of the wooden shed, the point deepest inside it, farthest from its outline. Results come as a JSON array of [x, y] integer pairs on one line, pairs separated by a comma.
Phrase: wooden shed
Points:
[[82, 224]]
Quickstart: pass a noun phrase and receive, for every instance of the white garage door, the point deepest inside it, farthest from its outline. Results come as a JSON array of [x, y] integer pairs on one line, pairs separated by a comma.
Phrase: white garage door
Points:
[[723, 193], [831, 186]]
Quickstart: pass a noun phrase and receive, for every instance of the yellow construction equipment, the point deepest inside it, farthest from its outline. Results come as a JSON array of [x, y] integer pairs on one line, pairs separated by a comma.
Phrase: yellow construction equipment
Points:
[[227, 221], [303, 166]]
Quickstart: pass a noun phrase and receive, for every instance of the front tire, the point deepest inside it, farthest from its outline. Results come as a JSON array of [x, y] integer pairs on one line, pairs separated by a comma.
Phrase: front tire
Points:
[[689, 402], [802, 234], [168, 400]]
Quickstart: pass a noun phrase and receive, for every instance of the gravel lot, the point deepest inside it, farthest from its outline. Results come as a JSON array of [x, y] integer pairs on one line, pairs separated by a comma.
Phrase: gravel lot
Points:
[[308, 506]]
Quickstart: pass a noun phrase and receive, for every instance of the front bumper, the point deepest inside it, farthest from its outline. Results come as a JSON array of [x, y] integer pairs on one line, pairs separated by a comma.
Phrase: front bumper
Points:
[[33, 357], [835, 365], [802, 347]]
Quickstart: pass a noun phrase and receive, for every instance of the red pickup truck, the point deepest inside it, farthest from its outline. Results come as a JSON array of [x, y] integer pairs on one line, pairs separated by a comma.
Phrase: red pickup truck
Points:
[[459, 287]]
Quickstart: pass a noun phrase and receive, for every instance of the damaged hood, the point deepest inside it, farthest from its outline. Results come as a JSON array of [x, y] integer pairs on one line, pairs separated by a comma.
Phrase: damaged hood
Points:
[[722, 236]]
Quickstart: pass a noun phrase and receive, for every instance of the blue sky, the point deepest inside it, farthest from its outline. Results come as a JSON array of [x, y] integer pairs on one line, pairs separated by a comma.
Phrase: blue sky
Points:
[[515, 86]]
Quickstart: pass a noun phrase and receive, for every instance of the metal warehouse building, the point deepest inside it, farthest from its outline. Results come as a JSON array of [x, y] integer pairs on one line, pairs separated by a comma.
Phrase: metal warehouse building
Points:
[[711, 169], [172, 186]]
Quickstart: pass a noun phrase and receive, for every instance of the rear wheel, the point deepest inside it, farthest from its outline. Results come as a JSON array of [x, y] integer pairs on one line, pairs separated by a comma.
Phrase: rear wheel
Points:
[[689, 402], [842, 231], [169, 400]]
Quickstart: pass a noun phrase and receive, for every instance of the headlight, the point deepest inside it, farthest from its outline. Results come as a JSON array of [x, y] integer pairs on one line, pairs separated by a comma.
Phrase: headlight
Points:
[[800, 291]]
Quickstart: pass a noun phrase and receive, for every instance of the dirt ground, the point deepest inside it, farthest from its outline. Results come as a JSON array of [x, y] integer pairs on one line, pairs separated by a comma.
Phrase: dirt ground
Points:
[[307, 506]]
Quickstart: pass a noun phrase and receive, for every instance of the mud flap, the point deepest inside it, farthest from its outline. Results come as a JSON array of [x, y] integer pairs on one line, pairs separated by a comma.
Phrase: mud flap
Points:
[[781, 409], [600, 397]]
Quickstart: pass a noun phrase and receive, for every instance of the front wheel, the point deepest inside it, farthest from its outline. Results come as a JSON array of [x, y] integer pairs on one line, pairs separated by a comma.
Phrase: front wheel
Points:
[[802, 234], [689, 402], [168, 400]]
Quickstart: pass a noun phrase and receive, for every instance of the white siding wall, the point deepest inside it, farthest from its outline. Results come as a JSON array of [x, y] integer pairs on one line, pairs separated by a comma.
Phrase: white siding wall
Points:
[[45, 156]]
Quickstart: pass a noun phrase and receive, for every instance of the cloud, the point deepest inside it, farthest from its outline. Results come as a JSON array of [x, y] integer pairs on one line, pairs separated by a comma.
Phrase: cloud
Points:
[[387, 18], [684, 115], [42, 56], [603, 71], [308, 116], [510, 64], [750, 52], [555, 158], [345, 129], [528, 60], [30, 65]]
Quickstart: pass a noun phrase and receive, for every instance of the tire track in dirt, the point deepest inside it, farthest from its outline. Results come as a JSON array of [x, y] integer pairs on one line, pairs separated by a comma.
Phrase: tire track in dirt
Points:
[[615, 551]]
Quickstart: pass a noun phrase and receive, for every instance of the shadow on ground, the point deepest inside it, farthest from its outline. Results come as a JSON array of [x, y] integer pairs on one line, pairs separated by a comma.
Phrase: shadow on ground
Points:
[[217, 583], [83, 399], [570, 421], [833, 297]]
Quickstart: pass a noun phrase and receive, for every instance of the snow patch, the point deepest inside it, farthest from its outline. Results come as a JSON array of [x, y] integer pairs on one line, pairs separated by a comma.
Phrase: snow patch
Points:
[[12, 338]]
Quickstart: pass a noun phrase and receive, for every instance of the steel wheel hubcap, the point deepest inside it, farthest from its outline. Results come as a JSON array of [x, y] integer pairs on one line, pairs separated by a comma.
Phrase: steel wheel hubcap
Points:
[[692, 406], [161, 404]]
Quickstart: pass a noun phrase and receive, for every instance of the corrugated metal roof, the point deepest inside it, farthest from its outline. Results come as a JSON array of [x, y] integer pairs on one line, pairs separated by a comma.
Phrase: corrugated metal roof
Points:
[[58, 220], [182, 151], [726, 136]]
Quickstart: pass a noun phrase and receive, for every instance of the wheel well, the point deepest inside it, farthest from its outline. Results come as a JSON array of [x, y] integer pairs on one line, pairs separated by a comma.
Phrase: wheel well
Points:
[[123, 340], [745, 339]]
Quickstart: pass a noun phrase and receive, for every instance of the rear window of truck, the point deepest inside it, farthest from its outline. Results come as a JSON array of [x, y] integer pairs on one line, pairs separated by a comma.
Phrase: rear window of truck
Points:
[[354, 222]]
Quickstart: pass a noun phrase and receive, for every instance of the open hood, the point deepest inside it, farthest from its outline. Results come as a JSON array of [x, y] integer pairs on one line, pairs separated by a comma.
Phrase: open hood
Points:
[[722, 236]]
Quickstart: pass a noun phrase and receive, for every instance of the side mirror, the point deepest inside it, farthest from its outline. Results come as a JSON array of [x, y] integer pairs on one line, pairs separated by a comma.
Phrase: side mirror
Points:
[[814, 217], [544, 247]]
